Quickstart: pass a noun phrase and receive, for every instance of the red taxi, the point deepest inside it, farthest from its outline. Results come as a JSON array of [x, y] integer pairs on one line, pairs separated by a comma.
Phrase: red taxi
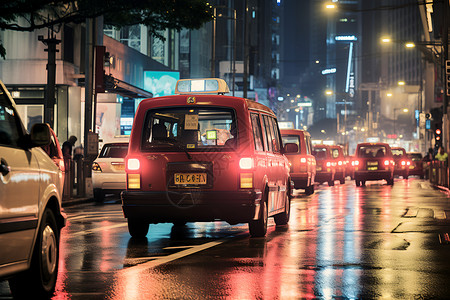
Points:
[[337, 152], [326, 165], [202, 156], [402, 162], [418, 166], [373, 161], [303, 163]]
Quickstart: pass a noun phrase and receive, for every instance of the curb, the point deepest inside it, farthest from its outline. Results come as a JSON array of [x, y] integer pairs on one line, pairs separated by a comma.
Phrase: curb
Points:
[[75, 201]]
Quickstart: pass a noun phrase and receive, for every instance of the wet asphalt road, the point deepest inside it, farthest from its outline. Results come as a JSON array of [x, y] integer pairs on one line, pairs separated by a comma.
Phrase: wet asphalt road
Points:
[[343, 242]]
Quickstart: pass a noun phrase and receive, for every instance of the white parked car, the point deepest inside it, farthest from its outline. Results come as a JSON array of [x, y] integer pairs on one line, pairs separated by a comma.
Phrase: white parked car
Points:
[[30, 206], [108, 170]]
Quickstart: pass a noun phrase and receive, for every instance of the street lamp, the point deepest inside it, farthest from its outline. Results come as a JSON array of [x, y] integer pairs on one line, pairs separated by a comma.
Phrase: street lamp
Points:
[[405, 110]]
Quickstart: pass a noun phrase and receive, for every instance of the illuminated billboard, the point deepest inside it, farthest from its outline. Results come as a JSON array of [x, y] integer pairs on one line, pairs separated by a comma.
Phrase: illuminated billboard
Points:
[[160, 83]]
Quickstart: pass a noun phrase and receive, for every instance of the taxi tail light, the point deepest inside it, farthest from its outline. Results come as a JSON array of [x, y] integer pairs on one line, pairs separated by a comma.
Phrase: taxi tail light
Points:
[[134, 181], [340, 163], [387, 162], [355, 163], [408, 163], [328, 164], [246, 163], [246, 181], [303, 160], [403, 163], [96, 167], [133, 164]]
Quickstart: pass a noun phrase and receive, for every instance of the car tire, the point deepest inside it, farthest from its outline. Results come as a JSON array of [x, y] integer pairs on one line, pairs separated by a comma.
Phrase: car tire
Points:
[[99, 195], [390, 181], [422, 176], [405, 177], [358, 182], [137, 228], [283, 218], [363, 183], [258, 228], [342, 181], [331, 183], [39, 281], [309, 190]]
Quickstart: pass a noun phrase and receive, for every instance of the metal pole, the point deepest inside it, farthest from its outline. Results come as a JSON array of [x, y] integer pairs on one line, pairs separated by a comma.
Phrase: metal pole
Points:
[[234, 51], [50, 100], [213, 48], [245, 75]]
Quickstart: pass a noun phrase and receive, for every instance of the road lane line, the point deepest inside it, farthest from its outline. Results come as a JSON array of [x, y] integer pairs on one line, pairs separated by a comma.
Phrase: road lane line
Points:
[[439, 214], [169, 258], [89, 231]]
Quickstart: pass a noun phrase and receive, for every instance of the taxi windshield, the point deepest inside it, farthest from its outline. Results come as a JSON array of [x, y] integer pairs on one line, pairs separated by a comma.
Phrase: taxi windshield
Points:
[[189, 128], [320, 153]]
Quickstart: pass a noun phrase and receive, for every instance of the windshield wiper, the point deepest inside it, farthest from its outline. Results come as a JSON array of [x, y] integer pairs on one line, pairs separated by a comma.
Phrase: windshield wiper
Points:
[[178, 146]]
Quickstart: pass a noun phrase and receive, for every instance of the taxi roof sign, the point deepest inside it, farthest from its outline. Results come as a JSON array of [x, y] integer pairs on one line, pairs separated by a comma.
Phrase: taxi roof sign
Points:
[[201, 86]]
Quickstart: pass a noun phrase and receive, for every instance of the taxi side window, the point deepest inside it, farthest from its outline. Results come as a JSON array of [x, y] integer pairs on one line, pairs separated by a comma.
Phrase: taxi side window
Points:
[[276, 135], [269, 133], [10, 130], [308, 145], [257, 134]]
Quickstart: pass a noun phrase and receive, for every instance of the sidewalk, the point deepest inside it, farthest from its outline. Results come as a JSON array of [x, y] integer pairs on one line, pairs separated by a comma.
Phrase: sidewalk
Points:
[[76, 201]]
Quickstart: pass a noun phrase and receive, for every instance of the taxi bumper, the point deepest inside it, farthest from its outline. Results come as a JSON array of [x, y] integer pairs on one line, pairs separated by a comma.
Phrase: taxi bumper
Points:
[[191, 206], [324, 176], [301, 180], [373, 175]]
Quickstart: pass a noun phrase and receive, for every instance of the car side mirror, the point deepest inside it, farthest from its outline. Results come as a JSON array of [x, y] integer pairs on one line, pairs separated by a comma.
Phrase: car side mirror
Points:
[[290, 148], [40, 135]]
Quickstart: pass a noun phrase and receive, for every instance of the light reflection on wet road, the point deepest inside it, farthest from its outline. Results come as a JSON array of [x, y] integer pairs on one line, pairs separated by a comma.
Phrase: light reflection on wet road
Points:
[[343, 242]]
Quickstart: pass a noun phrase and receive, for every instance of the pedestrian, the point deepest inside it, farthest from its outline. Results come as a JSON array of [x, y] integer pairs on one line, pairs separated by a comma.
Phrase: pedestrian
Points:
[[442, 155], [429, 156], [68, 145]]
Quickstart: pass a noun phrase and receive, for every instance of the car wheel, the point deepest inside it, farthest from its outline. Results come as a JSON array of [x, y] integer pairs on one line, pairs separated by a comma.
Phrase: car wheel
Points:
[[422, 177], [258, 228], [405, 177], [283, 218], [342, 181], [390, 181], [99, 195], [309, 190], [363, 182], [331, 183], [357, 182], [137, 228], [39, 281]]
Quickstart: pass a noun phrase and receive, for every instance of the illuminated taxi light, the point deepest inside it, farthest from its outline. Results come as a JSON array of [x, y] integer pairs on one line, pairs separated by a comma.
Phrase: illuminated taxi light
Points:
[[246, 163], [340, 163], [134, 181], [246, 181], [408, 163], [201, 86], [96, 167], [303, 160], [355, 163], [386, 163], [403, 162], [133, 164], [328, 164]]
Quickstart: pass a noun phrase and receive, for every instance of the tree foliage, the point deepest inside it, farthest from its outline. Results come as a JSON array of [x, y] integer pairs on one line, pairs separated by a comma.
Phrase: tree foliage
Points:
[[30, 15]]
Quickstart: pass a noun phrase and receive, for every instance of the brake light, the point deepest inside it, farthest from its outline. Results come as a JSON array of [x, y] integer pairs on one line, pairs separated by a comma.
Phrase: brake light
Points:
[[386, 163], [328, 164], [246, 181], [96, 167], [403, 162], [133, 164], [355, 163], [303, 160], [408, 163], [340, 163], [246, 163]]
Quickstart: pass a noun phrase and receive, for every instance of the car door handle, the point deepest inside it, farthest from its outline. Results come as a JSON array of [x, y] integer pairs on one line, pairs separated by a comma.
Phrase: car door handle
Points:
[[4, 168]]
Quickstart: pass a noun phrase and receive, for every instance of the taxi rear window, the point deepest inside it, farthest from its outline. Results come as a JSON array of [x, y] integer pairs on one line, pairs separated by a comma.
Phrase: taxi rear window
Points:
[[294, 139], [189, 128], [320, 153], [397, 152], [372, 151]]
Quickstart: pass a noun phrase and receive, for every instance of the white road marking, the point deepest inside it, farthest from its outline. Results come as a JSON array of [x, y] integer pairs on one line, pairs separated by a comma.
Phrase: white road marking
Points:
[[439, 214], [89, 231], [166, 259]]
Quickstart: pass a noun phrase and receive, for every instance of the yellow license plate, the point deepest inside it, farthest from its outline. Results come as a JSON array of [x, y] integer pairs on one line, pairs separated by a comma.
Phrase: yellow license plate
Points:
[[372, 168], [118, 166], [318, 168], [190, 178], [411, 167], [372, 163]]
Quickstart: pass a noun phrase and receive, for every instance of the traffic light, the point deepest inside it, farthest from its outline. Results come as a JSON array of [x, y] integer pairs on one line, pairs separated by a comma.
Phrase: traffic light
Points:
[[447, 76], [438, 134]]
